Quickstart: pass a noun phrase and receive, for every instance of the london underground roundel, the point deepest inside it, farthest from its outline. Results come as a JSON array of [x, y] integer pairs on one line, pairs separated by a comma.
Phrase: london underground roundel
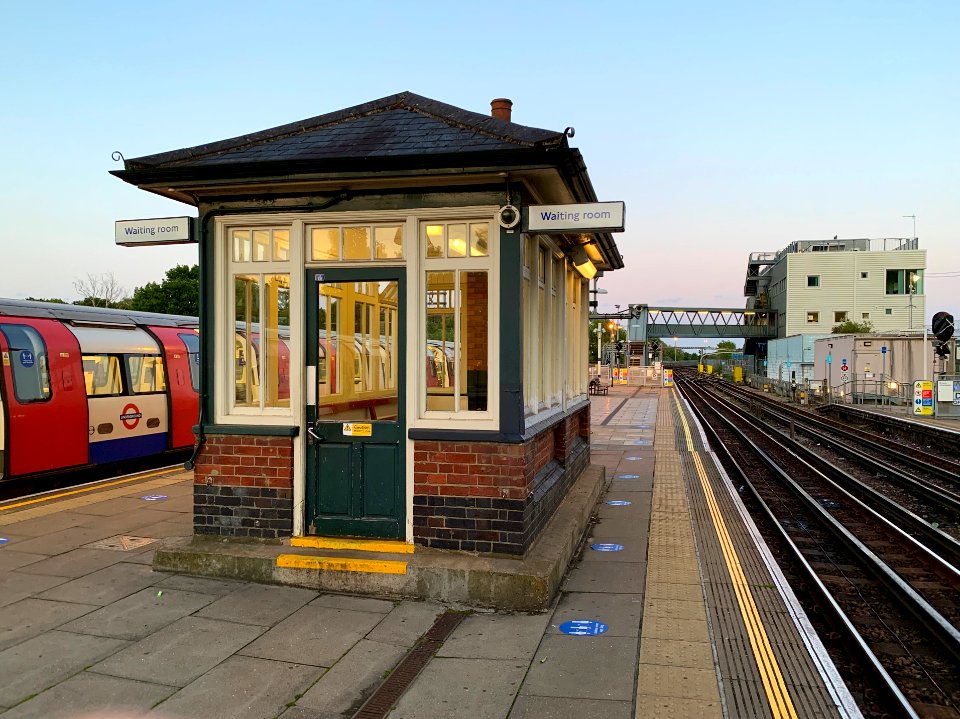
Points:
[[130, 416]]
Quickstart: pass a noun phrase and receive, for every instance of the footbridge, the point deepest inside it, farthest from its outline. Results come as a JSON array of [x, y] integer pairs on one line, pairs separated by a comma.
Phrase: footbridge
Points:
[[645, 322]]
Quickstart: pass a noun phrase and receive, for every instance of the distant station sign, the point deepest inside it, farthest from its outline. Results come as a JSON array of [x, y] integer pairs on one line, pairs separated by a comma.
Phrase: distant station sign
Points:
[[157, 231], [583, 217]]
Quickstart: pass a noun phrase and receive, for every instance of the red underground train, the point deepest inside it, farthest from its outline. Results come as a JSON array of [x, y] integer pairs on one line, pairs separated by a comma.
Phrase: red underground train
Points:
[[85, 386]]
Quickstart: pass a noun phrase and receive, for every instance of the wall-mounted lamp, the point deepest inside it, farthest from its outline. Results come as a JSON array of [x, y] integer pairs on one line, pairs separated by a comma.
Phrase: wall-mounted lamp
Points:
[[582, 263]]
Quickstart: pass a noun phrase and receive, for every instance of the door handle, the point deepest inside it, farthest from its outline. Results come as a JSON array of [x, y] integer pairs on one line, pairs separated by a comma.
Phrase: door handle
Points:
[[313, 435]]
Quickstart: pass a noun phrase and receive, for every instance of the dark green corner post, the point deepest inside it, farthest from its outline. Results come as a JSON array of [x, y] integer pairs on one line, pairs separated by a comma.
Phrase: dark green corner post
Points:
[[511, 332]]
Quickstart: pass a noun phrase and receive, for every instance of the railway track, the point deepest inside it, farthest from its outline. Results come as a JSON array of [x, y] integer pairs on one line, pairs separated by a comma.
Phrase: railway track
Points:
[[881, 581]]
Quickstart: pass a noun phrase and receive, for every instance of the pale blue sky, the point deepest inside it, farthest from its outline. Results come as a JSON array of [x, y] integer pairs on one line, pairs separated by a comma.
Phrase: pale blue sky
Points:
[[726, 127]]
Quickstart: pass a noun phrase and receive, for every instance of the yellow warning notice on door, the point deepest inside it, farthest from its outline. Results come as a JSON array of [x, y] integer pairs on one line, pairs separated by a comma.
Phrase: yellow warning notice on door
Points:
[[357, 429]]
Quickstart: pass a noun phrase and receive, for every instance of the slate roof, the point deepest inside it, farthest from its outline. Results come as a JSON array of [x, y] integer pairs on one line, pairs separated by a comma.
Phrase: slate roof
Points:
[[399, 125]]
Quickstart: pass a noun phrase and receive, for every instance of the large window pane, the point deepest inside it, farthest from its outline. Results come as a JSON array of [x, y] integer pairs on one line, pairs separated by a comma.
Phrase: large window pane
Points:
[[247, 339], [276, 334], [457, 334], [358, 359]]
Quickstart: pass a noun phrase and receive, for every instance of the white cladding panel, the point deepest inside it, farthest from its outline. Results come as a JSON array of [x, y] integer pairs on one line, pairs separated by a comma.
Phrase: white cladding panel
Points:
[[842, 287], [110, 340]]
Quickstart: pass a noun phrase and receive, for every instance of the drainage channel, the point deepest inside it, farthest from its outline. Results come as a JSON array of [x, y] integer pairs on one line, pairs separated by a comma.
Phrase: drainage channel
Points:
[[402, 676]]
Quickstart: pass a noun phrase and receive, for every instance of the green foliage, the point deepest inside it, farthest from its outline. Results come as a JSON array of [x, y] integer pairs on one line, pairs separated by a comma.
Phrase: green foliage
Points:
[[92, 301], [726, 345], [852, 328], [55, 300], [177, 294]]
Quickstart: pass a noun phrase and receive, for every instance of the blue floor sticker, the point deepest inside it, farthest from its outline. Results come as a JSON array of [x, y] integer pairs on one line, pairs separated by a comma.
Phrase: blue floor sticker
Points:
[[619, 503], [633, 458], [583, 628], [606, 547], [3, 540], [628, 476], [154, 497]]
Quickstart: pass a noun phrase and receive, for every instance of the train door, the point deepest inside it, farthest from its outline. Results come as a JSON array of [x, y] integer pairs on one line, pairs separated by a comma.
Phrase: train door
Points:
[[355, 356], [44, 407], [181, 349]]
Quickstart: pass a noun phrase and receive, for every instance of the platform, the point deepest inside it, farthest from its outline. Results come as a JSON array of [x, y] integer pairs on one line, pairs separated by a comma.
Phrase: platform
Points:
[[677, 610]]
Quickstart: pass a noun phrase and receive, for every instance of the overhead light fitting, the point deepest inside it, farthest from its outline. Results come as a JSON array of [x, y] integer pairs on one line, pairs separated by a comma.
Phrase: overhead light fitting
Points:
[[582, 263]]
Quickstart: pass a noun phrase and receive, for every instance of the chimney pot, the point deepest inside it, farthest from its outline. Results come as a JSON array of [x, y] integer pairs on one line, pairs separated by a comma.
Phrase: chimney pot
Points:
[[501, 108]]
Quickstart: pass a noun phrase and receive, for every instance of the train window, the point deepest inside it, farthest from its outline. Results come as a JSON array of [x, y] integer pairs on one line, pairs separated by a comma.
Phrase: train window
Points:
[[146, 374], [28, 362], [101, 374], [192, 343]]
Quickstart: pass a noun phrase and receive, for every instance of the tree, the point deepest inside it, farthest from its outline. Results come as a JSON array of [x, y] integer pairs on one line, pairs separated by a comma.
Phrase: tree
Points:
[[177, 294], [849, 327], [726, 345], [54, 300], [101, 290]]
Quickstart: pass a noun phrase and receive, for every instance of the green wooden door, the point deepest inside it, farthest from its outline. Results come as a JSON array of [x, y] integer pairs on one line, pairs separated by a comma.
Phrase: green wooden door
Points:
[[355, 354]]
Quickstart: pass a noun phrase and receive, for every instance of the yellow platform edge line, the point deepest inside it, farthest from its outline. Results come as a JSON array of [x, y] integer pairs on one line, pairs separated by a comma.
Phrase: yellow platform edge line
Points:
[[360, 545], [778, 695], [341, 564]]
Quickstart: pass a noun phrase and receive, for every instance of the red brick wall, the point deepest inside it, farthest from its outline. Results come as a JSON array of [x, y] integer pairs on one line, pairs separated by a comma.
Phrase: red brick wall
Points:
[[245, 461], [470, 469]]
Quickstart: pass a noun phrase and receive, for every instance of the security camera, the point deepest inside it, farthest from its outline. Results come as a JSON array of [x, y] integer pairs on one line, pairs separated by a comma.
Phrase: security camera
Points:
[[508, 216]]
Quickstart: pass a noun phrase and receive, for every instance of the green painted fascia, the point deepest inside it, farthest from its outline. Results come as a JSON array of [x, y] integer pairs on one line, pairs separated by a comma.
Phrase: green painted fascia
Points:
[[511, 332]]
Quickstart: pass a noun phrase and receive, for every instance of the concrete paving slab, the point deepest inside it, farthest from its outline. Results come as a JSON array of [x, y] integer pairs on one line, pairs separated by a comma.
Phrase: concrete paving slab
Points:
[[240, 687], [75, 563], [583, 667], [140, 614], [126, 522], [356, 604], [105, 585], [313, 635], [681, 682], [203, 585], [168, 528], [619, 528], [17, 585], [259, 604], [450, 688], [180, 652], [41, 526], [30, 617], [637, 512], [91, 694], [354, 678], [622, 613], [632, 487], [614, 577], [43, 661], [527, 707], [117, 505], [63, 540], [406, 623], [298, 712], [496, 636], [11, 559], [634, 550]]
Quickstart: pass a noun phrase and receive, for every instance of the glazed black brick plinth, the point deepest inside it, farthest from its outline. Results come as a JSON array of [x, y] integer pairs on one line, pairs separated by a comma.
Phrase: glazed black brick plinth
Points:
[[258, 512]]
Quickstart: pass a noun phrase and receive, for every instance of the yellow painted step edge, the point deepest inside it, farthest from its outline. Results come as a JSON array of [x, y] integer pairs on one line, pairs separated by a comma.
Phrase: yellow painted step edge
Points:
[[341, 564], [361, 545]]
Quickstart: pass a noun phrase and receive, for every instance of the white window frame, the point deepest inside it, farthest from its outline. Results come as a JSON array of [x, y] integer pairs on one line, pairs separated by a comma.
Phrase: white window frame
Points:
[[224, 410], [417, 390]]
